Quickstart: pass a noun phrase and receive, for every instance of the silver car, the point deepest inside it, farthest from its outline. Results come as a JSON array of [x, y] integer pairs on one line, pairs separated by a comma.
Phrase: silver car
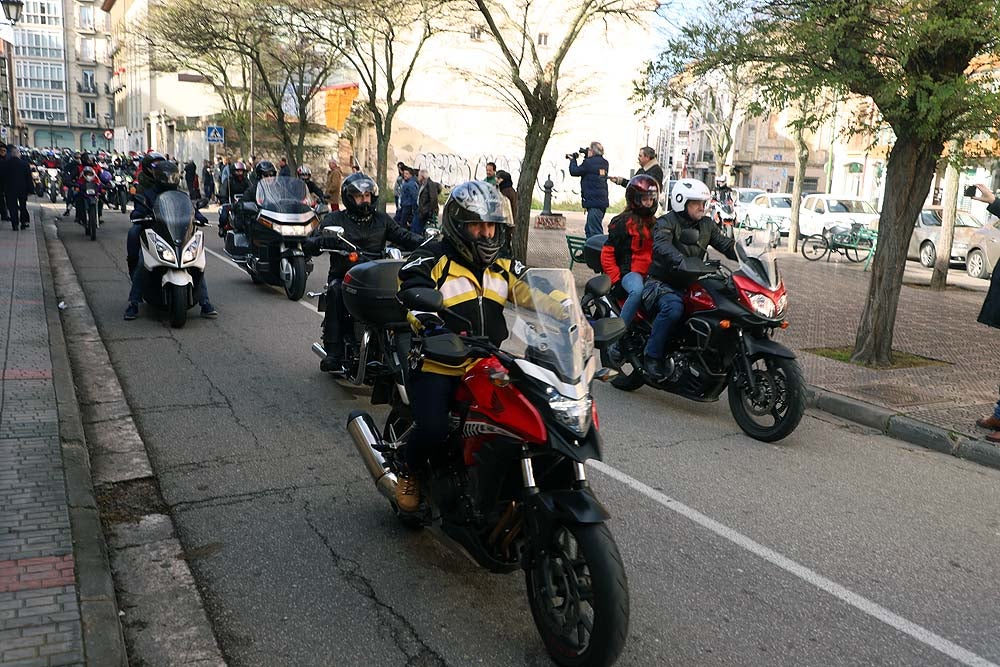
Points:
[[924, 240], [984, 250]]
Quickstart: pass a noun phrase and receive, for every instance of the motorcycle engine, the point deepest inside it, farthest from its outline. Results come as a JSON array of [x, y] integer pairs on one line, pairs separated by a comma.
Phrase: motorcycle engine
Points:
[[449, 486]]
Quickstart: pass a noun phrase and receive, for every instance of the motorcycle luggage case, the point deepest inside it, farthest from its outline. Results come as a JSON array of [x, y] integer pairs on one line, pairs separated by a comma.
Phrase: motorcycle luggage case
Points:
[[592, 252], [370, 293], [237, 244]]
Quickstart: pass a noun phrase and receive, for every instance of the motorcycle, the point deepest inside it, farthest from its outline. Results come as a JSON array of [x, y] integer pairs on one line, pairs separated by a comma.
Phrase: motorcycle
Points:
[[724, 216], [722, 342], [173, 256], [270, 250], [510, 485], [91, 194], [52, 183], [121, 187], [37, 186]]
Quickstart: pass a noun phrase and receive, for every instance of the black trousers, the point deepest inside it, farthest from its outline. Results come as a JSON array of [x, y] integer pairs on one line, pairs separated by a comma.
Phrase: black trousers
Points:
[[338, 328], [430, 399], [16, 206]]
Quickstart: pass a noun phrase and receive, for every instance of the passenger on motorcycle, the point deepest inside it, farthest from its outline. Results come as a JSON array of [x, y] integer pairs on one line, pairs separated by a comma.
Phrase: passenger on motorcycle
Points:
[[369, 230], [264, 169], [476, 283], [305, 173], [232, 187], [628, 252], [160, 175], [666, 282]]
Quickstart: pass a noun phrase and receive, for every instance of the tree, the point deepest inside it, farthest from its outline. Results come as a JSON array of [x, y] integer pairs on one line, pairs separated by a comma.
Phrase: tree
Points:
[[536, 81], [911, 58]]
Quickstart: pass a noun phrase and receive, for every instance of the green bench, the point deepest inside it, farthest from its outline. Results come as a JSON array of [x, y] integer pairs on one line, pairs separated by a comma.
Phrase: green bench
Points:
[[576, 244]]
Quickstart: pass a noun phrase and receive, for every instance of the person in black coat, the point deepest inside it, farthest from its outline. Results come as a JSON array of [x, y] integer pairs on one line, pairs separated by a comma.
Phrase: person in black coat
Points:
[[647, 165], [15, 175], [990, 313]]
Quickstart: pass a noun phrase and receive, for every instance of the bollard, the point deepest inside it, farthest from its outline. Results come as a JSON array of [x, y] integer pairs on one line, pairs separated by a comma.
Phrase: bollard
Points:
[[547, 199]]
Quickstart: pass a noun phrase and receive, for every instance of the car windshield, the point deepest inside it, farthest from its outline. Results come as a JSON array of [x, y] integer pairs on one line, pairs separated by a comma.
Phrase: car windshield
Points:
[[849, 206], [747, 196], [963, 219], [932, 218], [781, 202]]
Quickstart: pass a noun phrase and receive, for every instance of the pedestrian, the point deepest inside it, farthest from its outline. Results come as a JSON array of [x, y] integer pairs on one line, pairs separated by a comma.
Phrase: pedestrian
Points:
[[283, 168], [593, 173], [990, 312], [334, 179], [15, 177], [398, 185], [190, 174], [208, 180], [506, 185], [491, 173], [427, 202], [648, 165], [4, 216], [406, 214]]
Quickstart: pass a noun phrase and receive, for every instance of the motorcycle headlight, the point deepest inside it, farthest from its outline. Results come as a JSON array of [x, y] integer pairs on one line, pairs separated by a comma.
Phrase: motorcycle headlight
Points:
[[782, 304], [762, 305], [294, 230], [193, 247], [163, 249], [573, 413]]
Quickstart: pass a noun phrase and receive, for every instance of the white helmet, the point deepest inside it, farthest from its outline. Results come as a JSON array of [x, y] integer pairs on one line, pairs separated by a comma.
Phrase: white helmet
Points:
[[688, 189]]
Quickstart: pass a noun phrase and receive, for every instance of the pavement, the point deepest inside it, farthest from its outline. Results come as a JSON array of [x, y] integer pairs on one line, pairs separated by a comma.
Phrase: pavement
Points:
[[57, 603]]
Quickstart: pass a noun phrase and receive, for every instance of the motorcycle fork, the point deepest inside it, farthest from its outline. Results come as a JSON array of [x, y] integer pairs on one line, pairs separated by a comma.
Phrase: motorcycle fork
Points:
[[745, 361]]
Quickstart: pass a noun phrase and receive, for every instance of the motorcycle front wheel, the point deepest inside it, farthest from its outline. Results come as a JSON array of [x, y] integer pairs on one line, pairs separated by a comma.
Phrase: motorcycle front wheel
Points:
[[177, 305], [579, 596], [293, 275], [773, 408], [53, 194], [92, 222]]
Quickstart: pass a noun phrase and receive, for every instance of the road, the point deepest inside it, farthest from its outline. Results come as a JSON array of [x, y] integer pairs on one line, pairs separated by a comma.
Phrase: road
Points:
[[834, 547]]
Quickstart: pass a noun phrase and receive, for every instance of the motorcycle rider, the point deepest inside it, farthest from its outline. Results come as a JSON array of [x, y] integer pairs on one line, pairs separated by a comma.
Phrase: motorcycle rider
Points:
[[305, 174], [662, 295], [234, 186], [369, 230], [628, 252], [160, 175], [466, 267], [264, 169]]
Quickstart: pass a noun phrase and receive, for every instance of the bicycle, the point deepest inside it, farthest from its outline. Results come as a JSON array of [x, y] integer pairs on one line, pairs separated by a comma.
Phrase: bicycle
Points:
[[769, 226], [856, 244]]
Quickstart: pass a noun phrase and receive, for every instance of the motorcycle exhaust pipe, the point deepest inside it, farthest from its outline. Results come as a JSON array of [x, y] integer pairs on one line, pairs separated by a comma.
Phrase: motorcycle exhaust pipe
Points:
[[318, 349], [365, 435]]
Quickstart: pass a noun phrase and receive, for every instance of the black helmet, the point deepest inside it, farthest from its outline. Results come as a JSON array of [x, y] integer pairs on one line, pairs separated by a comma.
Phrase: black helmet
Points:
[[475, 201], [149, 160], [264, 169], [640, 186], [166, 175], [85, 158], [359, 184]]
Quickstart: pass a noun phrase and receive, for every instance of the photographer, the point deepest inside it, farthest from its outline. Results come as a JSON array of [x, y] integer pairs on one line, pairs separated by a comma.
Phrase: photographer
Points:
[[593, 173]]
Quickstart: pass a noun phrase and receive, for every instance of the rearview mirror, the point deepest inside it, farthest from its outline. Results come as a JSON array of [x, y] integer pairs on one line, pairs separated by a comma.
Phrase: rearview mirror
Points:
[[333, 230], [422, 298]]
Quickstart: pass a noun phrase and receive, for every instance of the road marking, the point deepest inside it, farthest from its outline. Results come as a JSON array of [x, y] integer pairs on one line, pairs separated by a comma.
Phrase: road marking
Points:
[[863, 604], [305, 304]]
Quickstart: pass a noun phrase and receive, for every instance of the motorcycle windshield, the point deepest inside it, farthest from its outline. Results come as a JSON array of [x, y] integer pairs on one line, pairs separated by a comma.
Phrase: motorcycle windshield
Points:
[[283, 194], [758, 262], [548, 329], [175, 211]]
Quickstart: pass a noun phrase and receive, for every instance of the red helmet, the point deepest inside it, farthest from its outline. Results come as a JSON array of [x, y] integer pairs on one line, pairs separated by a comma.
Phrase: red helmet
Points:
[[641, 187]]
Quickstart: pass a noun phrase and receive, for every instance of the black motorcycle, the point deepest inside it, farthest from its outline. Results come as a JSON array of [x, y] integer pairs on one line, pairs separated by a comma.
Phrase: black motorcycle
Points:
[[723, 341]]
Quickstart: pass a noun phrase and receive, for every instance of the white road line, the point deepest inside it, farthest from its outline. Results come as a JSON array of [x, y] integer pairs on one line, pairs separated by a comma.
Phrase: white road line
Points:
[[920, 633], [305, 304], [863, 604]]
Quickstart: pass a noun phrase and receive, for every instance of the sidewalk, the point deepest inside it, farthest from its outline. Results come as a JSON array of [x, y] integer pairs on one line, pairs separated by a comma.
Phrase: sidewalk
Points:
[[54, 577]]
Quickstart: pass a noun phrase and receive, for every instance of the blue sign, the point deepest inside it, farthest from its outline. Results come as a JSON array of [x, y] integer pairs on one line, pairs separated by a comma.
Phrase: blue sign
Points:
[[215, 134]]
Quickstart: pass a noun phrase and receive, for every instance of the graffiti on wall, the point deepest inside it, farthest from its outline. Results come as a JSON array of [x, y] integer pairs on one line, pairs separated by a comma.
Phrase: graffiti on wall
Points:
[[450, 169]]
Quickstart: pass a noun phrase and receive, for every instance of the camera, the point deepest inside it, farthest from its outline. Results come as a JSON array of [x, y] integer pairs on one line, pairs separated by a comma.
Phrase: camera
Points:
[[971, 191], [579, 151]]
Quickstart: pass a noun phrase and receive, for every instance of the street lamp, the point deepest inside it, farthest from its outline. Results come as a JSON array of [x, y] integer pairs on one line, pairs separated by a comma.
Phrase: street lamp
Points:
[[107, 125], [12, 10], [52, 137]]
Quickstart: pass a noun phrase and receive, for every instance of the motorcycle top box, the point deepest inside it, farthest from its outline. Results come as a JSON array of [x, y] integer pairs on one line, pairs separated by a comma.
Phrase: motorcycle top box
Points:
[[370, 292], [592, 252]]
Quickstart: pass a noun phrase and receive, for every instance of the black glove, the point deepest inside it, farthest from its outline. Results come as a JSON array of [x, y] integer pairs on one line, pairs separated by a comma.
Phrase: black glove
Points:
[[311, 246]]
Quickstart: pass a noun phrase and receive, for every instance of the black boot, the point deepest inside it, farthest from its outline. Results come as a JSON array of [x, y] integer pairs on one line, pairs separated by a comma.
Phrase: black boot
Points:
[[653, 367]]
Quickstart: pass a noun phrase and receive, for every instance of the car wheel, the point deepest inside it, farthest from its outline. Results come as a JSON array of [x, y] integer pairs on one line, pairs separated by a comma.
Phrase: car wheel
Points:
[[927, 254], [976, 265]]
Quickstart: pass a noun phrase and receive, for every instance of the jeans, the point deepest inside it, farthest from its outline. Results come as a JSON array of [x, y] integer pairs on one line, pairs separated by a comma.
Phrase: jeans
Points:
[[996, 410], [139, 284], [404, 215], [595, 222], [632, 283], [669, 309], [430, 399]]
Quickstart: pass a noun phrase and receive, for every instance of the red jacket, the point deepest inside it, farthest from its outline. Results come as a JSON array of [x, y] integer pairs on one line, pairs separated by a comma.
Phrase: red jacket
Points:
[[629, 246]]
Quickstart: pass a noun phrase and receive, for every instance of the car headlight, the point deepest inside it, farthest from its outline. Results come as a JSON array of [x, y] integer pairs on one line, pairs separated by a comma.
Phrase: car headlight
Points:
[[782, 304], [762, 305], [163, 249], [573, 413], [193, 247]]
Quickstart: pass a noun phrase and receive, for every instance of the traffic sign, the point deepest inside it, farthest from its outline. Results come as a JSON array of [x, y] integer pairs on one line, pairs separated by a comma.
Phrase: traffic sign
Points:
[[109, 134], [215, 134]]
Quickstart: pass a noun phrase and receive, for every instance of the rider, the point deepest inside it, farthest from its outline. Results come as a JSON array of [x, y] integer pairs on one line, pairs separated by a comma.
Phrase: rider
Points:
[[628, 252], [476, 283], [305, 173], [157, 175], [232, 187], [666, 281], [369, 230], [264, 169]]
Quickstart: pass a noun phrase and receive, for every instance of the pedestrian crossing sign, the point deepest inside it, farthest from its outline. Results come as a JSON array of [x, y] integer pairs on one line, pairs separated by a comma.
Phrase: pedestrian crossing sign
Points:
[[216, 134]]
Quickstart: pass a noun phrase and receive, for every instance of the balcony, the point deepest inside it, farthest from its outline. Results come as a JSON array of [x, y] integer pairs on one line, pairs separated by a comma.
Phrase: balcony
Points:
[[85, 26], [86, 87], [85, 120], [86, 56]]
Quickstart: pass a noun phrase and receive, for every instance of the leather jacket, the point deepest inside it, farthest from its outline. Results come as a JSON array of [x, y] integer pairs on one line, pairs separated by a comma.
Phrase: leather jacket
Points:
[[370, 236], [669, 252]]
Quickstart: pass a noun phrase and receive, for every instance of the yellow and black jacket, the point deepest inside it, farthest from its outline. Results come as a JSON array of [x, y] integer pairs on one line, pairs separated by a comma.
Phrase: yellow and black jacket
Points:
[[478, 295]]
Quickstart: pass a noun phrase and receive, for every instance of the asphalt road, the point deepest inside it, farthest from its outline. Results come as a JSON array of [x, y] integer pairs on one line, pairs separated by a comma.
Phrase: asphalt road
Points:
[[834, 547]]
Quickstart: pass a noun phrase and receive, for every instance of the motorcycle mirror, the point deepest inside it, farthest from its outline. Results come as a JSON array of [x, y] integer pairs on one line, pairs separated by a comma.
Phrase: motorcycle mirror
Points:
[[599, 285], [689, 236], [749, 240], [422, 298], [249, 206], [333, 230]]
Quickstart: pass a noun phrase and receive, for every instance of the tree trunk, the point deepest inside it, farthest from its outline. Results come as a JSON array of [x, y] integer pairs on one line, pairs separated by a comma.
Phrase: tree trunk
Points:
[[535, 140], [382, 156], [801, 160], [909, 170], [949, 204]]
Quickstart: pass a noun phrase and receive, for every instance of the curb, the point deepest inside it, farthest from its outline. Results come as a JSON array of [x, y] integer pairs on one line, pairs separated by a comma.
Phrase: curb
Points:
[[900, 427], [103, 639]]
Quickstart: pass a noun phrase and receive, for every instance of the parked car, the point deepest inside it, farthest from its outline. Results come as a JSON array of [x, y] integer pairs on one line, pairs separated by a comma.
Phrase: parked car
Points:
[[822, 212], [984, 250], [742, 198], [774, 205], [924, 241]]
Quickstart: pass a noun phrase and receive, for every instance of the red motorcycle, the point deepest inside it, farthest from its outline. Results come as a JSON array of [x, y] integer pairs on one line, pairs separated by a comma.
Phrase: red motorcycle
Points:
[[510, 484]]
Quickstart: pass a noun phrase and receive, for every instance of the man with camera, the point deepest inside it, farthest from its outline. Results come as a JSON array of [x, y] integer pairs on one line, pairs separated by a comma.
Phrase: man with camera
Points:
[[593, 173]]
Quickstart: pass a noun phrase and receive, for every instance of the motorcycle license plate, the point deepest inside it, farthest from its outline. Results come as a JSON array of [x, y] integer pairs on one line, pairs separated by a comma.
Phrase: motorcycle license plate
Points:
[[91, 192]]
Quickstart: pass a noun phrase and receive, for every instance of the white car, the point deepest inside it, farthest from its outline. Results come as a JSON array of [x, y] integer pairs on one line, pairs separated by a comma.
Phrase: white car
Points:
[[821, 212], [776, 206], [742, 198]]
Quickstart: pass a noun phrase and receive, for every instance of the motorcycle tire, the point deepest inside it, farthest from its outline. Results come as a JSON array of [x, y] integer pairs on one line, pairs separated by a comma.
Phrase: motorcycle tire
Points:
[[295, 283], [92, 222], [780, 388], [53, 195], [559, 589], [177, 305]]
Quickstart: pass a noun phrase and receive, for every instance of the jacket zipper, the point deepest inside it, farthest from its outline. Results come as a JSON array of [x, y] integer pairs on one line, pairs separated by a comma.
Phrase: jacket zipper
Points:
[[482, 317]]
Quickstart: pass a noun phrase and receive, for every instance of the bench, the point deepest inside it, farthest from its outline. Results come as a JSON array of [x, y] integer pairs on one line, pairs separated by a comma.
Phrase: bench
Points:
[[576, 245]]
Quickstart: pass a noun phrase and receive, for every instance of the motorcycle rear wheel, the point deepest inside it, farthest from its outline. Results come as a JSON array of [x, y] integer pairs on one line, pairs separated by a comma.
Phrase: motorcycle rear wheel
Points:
[[578, 594], [776, 406]]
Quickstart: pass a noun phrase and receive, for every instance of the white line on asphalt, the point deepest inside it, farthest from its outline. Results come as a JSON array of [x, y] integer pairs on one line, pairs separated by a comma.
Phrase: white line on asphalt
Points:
[[305, 304], [918, 632], [863, 604]]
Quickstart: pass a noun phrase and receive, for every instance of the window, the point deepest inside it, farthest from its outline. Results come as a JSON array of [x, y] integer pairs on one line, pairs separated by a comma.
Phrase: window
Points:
[[543, 39], [476, 33], [90, 111], [42, 12], [47, 76], [35, 106], [38, 44], [86, 51], [86, 19], [88, 82]]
